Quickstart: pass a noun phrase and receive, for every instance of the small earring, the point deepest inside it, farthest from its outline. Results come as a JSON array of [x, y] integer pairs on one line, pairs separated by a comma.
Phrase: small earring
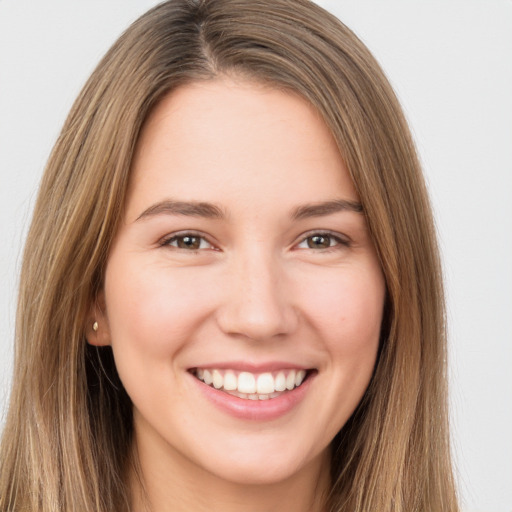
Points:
[[95, 326]]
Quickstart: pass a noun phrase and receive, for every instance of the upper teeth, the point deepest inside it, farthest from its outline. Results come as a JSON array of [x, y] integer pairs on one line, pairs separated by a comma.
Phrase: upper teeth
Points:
[[251, 383]]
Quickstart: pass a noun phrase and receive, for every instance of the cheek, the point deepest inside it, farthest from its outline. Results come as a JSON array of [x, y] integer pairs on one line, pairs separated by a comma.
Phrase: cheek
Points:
[[152, 315], [348, 311], [151, 310]]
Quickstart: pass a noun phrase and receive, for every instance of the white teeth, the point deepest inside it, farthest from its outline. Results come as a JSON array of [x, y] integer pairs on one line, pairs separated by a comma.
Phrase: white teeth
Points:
[[263, 386], [280, 382], [207, 377], [246, 383], [218, 380], [230, 381], [299, 377], [290, 380]]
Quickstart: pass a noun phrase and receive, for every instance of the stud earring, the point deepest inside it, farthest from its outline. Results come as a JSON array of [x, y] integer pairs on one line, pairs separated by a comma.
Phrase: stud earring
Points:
[[95, 326]]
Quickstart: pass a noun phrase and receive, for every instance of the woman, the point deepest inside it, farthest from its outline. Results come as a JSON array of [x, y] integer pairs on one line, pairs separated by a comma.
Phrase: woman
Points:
[[231, 293]]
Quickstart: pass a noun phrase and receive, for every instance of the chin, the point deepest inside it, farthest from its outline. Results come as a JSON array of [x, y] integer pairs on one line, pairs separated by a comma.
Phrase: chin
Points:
[[254, 465]]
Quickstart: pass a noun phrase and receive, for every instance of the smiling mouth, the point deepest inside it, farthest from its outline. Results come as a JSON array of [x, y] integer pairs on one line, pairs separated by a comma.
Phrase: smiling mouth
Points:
[[252, 386]]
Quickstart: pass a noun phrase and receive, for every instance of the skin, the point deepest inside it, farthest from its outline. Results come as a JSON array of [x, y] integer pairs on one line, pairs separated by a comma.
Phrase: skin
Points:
[[256, 289]]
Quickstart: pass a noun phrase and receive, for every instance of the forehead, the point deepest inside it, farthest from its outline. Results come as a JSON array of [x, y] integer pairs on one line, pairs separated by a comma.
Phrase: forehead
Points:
[[222, 139]]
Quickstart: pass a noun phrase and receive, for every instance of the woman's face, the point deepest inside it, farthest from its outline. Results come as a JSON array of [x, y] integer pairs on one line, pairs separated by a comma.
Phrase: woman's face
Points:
[[243, 295]]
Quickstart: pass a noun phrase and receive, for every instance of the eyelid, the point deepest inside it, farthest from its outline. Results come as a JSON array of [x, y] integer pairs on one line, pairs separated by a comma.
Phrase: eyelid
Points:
[[167, 239], [342, 240]]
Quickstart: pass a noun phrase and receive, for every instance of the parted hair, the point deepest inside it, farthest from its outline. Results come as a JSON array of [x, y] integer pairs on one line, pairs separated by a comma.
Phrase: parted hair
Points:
[[67, 440]]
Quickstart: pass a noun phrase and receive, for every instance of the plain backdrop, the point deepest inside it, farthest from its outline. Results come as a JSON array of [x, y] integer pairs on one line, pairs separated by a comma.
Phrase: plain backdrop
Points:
[[451, 64]]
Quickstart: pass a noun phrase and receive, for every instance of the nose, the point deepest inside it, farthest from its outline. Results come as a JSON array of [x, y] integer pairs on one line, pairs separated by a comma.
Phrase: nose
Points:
[[257, 304]]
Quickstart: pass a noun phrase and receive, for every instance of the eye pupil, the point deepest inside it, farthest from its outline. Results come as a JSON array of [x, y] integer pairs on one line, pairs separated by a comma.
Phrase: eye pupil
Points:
[[319, 241], [188, 242]]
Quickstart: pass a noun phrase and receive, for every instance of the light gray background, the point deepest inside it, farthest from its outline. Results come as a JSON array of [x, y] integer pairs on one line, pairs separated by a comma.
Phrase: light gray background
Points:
[[451, 64]]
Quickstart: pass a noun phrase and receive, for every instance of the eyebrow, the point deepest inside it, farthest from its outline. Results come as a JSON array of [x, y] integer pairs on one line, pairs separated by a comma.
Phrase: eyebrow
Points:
[[188, 208], [326, 208], [212, 211]]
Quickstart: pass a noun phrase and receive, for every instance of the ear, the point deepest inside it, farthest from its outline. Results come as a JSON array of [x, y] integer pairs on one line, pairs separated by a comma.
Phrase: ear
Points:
[[97, 330]]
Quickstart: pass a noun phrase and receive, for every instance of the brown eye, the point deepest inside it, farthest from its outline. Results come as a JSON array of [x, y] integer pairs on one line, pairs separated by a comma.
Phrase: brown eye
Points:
[[188, 242], [319, 241], [323, 240]]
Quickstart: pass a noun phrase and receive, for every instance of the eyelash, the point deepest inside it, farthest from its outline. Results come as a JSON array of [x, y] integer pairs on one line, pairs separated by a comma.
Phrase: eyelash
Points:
[[339, 241], [167, 242]]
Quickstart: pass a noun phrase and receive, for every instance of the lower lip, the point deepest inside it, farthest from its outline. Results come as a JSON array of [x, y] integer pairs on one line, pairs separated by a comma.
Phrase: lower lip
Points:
[[255, 410]]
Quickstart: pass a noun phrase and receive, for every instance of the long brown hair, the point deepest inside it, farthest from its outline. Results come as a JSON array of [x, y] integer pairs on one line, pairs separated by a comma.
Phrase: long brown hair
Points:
[[68, 433]]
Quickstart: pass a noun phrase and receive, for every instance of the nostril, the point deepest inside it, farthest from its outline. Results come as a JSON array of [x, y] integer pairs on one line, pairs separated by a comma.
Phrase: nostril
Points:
[[257, 322]]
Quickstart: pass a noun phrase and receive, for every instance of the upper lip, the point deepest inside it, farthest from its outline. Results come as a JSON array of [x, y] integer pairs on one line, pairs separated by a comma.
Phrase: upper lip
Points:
[[244, 366]]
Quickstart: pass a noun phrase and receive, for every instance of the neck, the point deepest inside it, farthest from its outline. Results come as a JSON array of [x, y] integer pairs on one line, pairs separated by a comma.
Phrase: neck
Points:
[[174, 483]]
